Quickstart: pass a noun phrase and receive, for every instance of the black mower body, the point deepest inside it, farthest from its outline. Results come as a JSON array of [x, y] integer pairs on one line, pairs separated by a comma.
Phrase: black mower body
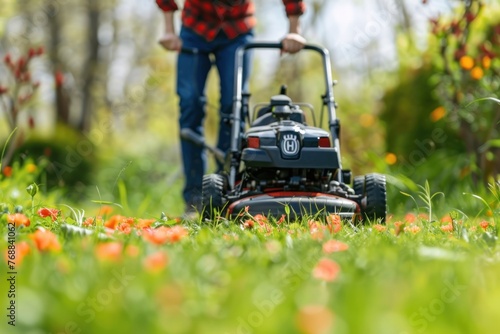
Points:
[[282, 163], [289, 144]]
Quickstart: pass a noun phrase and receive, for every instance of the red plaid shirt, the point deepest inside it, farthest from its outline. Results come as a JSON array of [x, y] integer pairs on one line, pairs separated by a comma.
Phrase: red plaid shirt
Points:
[[234, 17]]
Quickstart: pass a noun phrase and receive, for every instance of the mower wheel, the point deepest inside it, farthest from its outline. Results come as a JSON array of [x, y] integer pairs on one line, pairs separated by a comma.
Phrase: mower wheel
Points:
[[214, 187], [376, 197], [359, 185]]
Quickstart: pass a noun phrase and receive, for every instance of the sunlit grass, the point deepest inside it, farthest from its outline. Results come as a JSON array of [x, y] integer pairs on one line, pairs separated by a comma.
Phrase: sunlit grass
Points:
[[110, 266]]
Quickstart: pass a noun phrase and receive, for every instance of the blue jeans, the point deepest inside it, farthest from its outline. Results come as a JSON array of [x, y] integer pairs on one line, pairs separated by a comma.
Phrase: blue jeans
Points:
[[192, 71]]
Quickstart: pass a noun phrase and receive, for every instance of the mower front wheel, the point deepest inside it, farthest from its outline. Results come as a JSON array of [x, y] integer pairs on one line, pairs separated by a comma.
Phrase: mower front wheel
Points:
[[214, 187]]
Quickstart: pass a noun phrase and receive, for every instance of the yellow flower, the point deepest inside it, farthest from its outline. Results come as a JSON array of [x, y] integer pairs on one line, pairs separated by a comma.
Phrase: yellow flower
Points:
[[31, 168], [438, 113], [391, 158], [466, 62], [476, 73], [366, 120], [486, 62]]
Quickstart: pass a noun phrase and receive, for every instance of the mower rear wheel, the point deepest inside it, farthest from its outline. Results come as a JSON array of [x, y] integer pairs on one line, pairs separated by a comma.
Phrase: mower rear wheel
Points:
[[359, 185], [373, 203], [376, 197], [214, 187]]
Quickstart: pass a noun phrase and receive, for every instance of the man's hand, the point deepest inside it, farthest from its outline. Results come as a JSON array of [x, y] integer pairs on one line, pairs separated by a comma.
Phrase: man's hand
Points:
[[171, 42], [293, 43]]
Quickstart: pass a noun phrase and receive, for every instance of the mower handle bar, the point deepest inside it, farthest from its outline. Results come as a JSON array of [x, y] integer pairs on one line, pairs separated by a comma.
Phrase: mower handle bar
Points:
[[252, 45]]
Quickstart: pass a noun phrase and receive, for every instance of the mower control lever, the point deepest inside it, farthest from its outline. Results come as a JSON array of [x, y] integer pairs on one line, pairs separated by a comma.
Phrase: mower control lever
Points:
[[196, 139]]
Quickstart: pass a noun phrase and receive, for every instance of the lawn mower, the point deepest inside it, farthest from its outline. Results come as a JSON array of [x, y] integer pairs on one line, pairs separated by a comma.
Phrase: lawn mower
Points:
[[280, 163]]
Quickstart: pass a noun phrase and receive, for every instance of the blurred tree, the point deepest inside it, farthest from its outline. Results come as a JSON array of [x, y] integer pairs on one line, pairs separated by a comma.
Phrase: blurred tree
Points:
[[439, 97]]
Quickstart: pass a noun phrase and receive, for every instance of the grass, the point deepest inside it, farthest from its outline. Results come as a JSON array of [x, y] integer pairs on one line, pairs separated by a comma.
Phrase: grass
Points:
[[130, 272], [121, 261]]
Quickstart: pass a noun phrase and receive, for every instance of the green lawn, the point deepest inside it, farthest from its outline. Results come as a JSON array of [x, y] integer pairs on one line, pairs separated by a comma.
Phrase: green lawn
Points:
[[166, 275]]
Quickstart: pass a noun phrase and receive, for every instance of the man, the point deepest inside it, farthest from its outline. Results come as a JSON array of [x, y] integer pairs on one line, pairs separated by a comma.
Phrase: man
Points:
[[215, 27]]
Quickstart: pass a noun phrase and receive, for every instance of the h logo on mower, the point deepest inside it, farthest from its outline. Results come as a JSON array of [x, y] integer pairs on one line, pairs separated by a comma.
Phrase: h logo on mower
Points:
[[290, 145]]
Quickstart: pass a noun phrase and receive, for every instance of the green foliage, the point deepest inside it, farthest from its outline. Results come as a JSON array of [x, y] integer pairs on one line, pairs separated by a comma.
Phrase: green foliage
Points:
[[67, 160], [426, 196], [406, 114]]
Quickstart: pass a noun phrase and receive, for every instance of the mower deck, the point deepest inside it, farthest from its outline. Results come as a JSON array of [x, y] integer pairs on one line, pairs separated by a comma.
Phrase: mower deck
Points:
[[299, 204]]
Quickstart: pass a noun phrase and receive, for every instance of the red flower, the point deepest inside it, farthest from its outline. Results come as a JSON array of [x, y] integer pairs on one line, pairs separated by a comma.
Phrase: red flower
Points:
[[45, 240], [380, 227], [46, 212], [260, 219], [177, 233], [281, 220], [3, 90], [326, 270], [125, 228], [113, 221], [165, 234], [412, 228], [315, 319], [410, 218], [156, 262], [334, 223], [317, 229], [484, 224], [332, 246], [109, 251], [248, 224], [91, 221], [447, 228], [7, 171], [145, 223], [18, 219], [446, 219]]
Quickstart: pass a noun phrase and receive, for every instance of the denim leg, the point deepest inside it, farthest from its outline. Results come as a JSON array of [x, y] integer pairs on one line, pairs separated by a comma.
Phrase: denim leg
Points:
[[192, 71], [225, 62]]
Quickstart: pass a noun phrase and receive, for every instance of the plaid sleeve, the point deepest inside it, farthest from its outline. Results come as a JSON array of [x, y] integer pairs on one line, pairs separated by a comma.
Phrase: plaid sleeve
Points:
[[294, 7], [167, 5]]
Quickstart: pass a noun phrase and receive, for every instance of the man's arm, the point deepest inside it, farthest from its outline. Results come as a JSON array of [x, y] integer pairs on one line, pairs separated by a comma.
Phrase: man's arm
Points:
[[169, 40], [293, 42]]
